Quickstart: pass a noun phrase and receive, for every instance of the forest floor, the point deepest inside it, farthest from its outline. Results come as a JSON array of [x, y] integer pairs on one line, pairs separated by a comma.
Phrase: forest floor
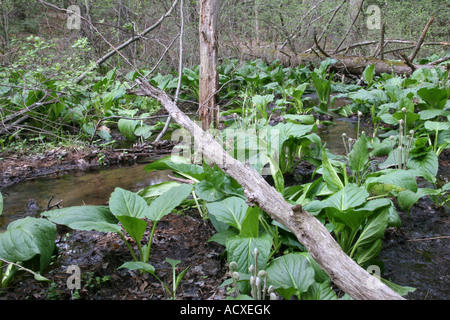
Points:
[[415, 254]]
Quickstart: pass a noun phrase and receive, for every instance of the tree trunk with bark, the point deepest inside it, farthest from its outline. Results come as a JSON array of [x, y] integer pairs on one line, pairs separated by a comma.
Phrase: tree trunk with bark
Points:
[[342, 270], [209, 77]]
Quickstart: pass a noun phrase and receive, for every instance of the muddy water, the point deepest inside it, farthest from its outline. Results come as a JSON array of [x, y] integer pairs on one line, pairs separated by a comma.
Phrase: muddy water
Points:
[[74, 189], [332, 134]]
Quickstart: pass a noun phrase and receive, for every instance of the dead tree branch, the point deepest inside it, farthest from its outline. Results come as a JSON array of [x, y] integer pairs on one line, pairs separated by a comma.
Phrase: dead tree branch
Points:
[[343, 271], [350, 27], [180, 73], [422, 37]]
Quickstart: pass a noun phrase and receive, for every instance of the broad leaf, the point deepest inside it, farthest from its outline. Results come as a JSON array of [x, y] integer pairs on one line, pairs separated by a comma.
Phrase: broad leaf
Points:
[[179, 165], [368, 74], [241, 250], [138, 265], [87, 218], [364, 254], [231, 211], [374, 229], [437, 125], [127, 127], [299, 118], [359, 156], [277, 175], [319, 291], [340, 206], [291, 271], [250, 224], [126, 203], [155, 190], [435, 97], [168, 201], [26, 238], [428, 164], [351, 196], [392, 181], [329, 174], [406, 199]]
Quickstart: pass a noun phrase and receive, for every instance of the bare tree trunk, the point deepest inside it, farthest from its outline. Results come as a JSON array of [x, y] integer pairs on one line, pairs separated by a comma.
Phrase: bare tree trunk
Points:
[[209, 77], [343, 271], [5, 24]]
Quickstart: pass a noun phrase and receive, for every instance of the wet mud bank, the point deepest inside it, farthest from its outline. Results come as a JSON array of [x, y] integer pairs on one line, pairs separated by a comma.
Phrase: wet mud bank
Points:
[[19, 167]]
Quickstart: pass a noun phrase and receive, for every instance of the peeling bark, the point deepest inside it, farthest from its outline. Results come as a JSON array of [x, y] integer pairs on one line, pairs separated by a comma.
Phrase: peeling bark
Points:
[[209, 77]]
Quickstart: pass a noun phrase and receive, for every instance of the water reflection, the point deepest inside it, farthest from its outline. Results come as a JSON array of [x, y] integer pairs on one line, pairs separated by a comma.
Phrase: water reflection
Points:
[[74, 189]]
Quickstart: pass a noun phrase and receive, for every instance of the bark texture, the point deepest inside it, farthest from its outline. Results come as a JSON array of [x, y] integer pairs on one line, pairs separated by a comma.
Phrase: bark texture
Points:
[[209, 77], [343, 271]]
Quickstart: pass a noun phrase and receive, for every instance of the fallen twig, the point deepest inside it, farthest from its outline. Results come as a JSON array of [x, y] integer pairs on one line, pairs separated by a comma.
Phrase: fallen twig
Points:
[[433, 238]]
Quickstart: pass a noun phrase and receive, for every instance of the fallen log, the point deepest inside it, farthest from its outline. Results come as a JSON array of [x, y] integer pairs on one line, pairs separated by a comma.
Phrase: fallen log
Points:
[[342, 270], [345, 64]]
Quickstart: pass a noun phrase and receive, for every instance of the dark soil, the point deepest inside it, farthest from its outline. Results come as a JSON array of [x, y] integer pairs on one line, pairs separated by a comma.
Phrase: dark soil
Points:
[[99, 255], [415, 255]]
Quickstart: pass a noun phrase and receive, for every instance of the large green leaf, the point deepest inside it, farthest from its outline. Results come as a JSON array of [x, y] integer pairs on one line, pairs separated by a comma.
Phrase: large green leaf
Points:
[[374, 228], [392, 181], [289, 130], [127, 127], [126, 203], [87, 218], [437, 126], [241, 250], [428, 164], [168, 201], [277, 175], [329, 174], [406, 199], [231, 211], [291, 271], [138, 265], [341, 205], [368, 74], [435, 97], [433, 113], [26, 238], [359, 156], [351, 196], [179, 165], [250, 224], [307, 119], [365, 254], [320, 291], [155, 190]]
